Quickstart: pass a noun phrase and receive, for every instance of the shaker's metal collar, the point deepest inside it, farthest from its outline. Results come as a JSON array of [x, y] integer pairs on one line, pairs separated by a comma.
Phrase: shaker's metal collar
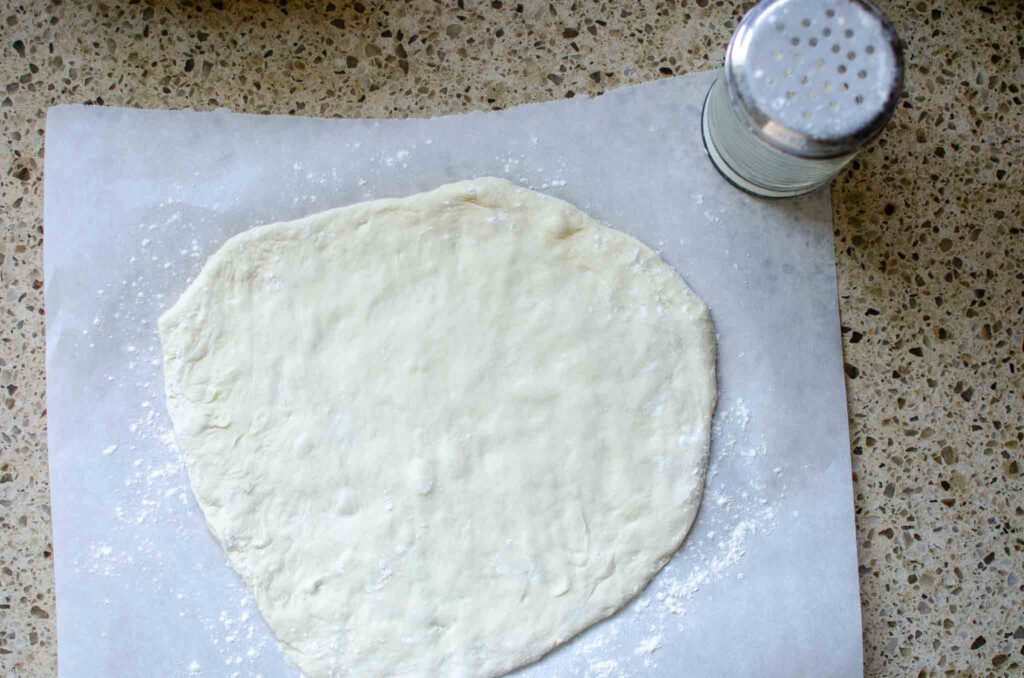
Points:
[[814, 79]]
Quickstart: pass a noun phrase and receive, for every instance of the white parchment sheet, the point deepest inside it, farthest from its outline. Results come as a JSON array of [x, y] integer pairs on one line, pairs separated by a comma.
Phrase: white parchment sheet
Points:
[[766, 585]]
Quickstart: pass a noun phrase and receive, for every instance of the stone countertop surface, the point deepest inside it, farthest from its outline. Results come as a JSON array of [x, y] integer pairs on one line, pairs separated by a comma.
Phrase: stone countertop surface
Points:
[[929, 226]]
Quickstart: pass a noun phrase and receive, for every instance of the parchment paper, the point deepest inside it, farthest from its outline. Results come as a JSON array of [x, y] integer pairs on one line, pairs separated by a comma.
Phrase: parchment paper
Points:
[[766, 585]]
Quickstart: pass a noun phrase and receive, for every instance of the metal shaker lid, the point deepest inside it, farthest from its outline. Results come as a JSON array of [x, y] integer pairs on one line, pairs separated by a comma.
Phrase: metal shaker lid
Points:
[[815, 79]]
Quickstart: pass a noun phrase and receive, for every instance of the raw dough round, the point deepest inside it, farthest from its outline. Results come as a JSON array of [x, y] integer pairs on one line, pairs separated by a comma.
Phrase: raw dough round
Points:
[[440, 435]]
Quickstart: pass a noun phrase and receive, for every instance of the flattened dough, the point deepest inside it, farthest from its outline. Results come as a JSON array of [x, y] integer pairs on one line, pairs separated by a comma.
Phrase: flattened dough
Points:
[[440, 435]]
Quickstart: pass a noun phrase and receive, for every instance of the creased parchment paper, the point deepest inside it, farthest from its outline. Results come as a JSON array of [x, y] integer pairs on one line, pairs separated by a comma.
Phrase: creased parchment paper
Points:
[[135, 201]]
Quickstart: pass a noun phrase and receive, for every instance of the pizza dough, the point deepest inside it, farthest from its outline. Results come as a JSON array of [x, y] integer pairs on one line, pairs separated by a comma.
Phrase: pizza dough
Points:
[[440, 435]]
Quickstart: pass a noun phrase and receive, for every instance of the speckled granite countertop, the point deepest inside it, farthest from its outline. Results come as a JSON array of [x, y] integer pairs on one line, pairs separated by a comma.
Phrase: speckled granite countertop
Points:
[[929, 244]]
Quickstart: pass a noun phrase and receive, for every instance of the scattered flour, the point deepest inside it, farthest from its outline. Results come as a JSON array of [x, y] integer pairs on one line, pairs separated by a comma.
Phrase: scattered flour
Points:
[[678, 590], [740, 504], [648, 645], [141, 541], [603, 669]]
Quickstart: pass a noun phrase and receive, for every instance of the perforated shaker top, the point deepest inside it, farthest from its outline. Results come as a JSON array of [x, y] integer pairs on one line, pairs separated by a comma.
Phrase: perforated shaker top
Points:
[[818, 74]]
